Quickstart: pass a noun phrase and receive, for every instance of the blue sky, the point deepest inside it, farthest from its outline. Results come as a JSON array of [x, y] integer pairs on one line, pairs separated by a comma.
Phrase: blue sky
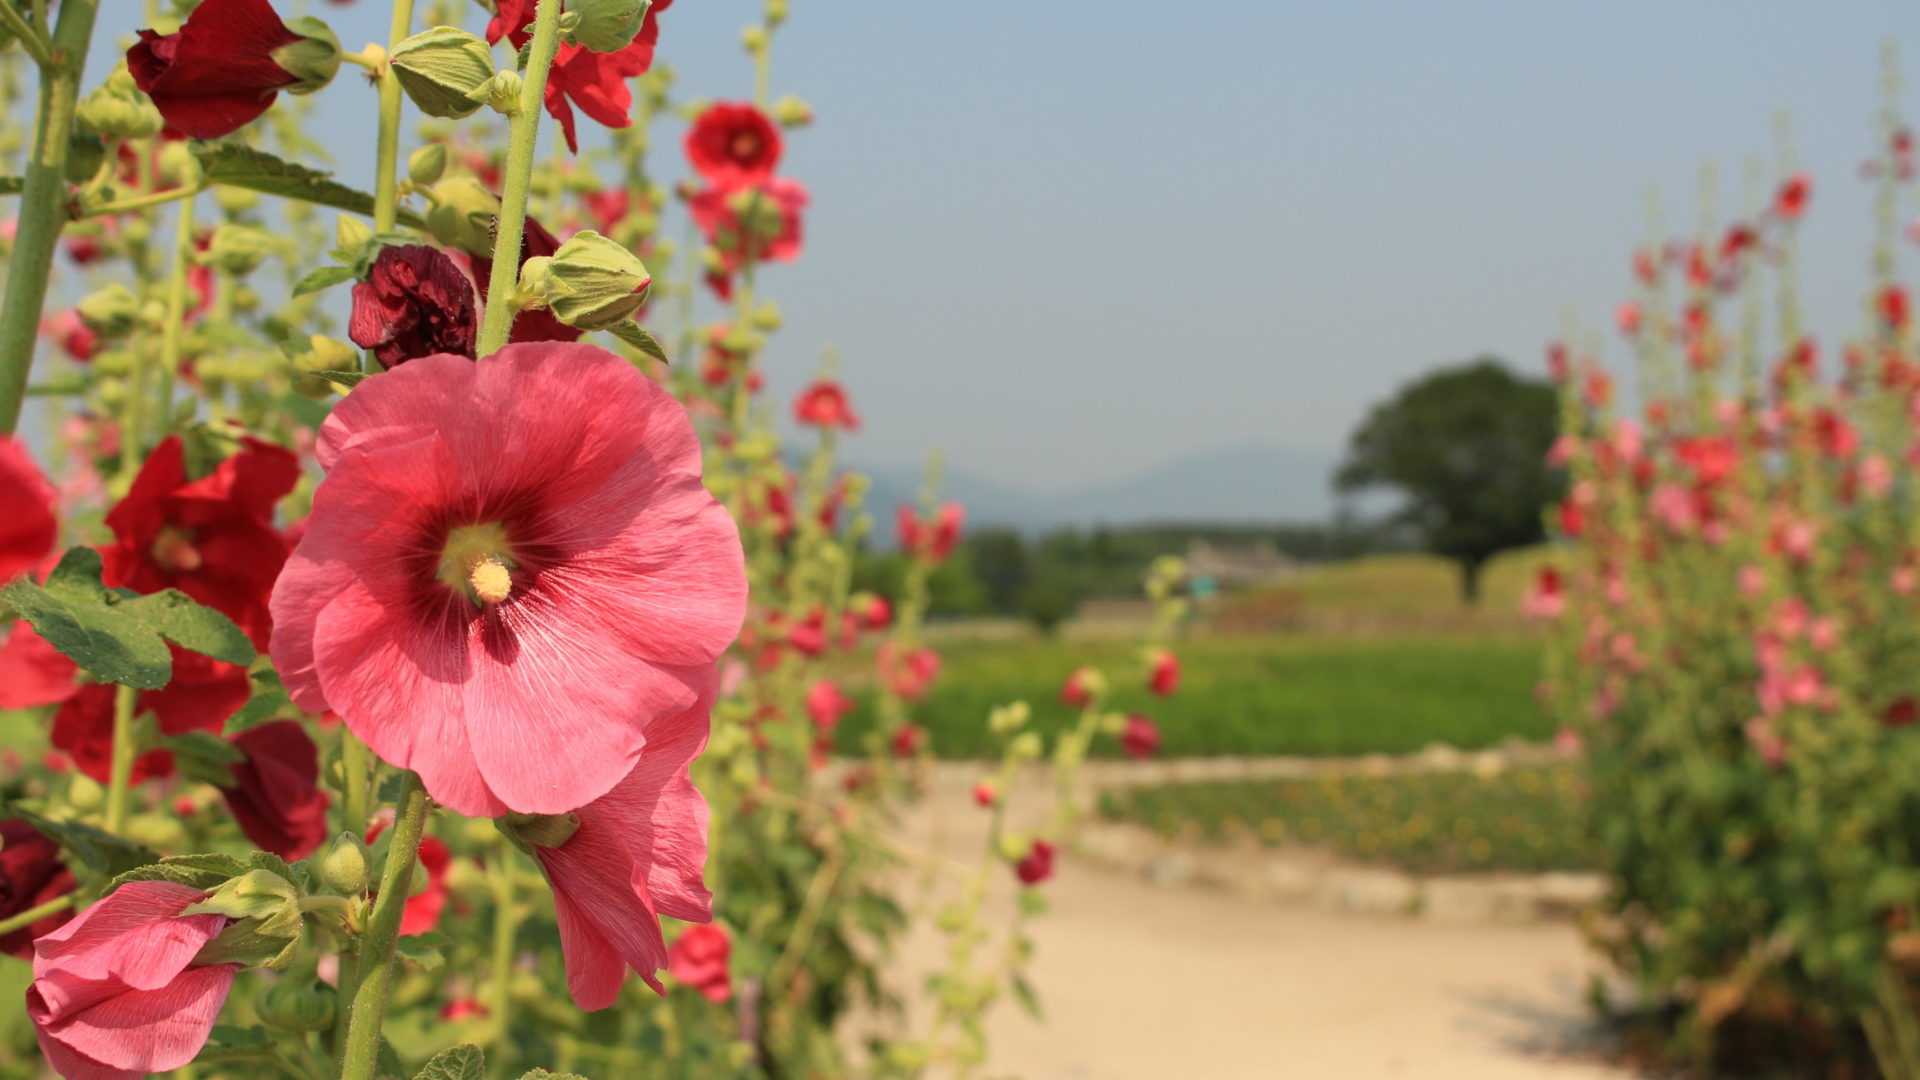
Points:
[[1072, 240]]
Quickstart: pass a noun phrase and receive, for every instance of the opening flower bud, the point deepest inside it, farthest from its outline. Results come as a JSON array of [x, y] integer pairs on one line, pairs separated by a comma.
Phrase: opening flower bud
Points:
[[607, 25], [109, 312], [116, 109], [314, 59], [594, 282], [427, 164], [239, 249], [298, 1003], [462, 215], [442, 70]]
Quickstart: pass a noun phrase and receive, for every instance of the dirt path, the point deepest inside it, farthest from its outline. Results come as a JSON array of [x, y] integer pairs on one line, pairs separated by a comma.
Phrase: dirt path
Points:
[[1139, 980]]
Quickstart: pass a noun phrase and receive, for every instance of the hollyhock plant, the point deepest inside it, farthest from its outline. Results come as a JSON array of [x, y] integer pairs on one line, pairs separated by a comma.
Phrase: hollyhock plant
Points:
[[595, 81], [511, 569], [116, 993], [275, 794], [422, 913], [226, 64], [733, 143], [1164, 678], [31, 874], [534, 324], [823, 404], [415, 302], [1140, 738], [750, 224], [699, 960], [909, 740], [1037, 865], [28, 528], [623, 860], [932, 540]]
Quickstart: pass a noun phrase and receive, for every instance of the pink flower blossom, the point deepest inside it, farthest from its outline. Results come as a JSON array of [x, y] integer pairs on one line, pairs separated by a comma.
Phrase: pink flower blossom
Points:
[[510, 571], [1164, 679], [1140, 738], [699, 959], [826, 705]]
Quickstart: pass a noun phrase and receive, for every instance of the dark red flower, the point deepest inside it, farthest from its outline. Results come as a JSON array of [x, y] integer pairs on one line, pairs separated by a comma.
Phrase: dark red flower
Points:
[[28, 528], [1901, 713], [200, 696], [1894, 307], [31, 874], [415, 302], [538, 324], [824, 404], [909, 740], [733, 143], [1791, 201], [276, 795], [698, 958], [1140, 738], [219, 71], [1037, 866]]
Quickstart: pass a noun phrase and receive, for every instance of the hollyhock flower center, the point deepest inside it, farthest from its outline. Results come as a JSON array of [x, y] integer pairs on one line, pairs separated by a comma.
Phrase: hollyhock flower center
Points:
[[173, 549], [746, 145], [478, 560]]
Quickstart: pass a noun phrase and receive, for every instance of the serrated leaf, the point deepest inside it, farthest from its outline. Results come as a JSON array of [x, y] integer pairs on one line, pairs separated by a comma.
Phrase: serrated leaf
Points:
[[463, 1062], [177, 617], [637, 336], [230, 1043], [268, 703], [100, 852], [203, 872], [243, 166], [423, 950], [542, 1074], [324, 278], [80, 618]]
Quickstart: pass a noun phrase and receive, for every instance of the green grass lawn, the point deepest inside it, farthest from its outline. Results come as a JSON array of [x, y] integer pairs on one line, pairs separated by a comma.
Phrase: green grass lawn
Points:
[[1520, 819], [1268, 694]]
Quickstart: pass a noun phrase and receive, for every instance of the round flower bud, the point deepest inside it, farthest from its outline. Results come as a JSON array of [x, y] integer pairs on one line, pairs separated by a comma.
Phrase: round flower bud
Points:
[[1026, 746], [776, 12], [347, 865], [766, 317], [754, 39], [178, 166], [607, 25], [461, 215], [298, 1003], [593, 282], [110, 312], [239, 249], [235, 200], [445, 70], [501, 93], [314, 59], [116, 109], [791, 112], [427, 164], [350, 234]]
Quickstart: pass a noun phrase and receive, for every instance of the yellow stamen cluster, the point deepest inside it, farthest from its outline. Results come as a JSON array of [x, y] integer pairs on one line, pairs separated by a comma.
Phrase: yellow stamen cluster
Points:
[[476, 560], [490, 580]]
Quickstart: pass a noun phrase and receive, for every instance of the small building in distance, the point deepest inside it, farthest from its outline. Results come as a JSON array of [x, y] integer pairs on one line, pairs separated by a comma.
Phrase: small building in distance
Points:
[[1215, 568]]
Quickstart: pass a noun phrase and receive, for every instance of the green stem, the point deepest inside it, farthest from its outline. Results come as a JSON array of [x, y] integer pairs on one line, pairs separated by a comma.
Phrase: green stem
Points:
[[369, 1002], [522, 136], [506, 923], [35, 914], [41, 214], [176, 323], [141, 202], [386, 181], [32, 38], [120, 776], [354, 764]]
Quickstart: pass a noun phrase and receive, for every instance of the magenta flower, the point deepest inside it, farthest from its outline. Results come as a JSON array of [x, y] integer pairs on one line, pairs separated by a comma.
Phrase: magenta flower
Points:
[[510, 571], [639, 852], [116, 994]]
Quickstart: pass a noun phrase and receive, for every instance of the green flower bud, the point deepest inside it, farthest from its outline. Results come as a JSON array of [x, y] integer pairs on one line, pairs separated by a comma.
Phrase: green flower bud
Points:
[[1026, 746], [117, 109], [500, 93], [593, 282], [110, 312], [461, 215], [267, 923], [754, 39], [84, 794], [776, 12], [607, 25], [766, 317], [1009, 718], [85, 152], [314, 59], [539, 830], [235, 200], [239, 249], [350, 234], [441, 69], [427, 164], [347, 865], [298, 1003], [792, 112], [178, 165]]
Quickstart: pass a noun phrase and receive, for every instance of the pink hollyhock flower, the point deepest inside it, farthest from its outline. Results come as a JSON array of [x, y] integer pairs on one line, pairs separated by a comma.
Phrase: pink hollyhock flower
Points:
[[28, 528], [465, 1008], [31, 874], [1904, 580], [875, 613], [1140, 738], [636, 853], [733, 143], [699, 959], [824, 404], [415, 302], [275, 794], [1546, 600], [1165, 677], [1752, 581], [511, 569], [1077, 691], [909, 740], [910, 675], [1567, 742], [1627, 317], [75, 338], [985, 794], [220, 71], [1766, 741], [1037, 865], [116, 994], [933, 540], [809, 636], [1791, 200], [826, 705]]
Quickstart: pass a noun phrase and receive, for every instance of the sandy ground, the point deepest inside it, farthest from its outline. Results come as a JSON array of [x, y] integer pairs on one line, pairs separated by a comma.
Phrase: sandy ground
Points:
[[1140, 980]]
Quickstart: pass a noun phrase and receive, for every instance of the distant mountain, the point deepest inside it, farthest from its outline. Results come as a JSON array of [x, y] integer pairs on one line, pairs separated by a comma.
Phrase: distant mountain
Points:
[[1250, 483]]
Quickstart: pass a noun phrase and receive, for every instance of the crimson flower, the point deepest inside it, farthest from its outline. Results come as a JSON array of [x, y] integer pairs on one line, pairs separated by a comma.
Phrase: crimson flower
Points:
[[415, 302], [932, 540], [1037, 866], [275, 794], [634, 854], [220, 71], [31, 874], [750, 224], [1165, 677], [597, 82], [910, 674], [824, 404], [733, 143], [699, 959], [909, 740], [876, 613], [1791, 201], [1894, 307], [28, 528], [1140, 738], [511, 569], [116, 993]]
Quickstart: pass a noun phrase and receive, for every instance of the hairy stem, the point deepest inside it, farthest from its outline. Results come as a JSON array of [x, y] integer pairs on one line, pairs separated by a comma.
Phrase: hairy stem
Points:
[[369, 1003], [522, 139], [386, 181], [506, 924], [120, 774]]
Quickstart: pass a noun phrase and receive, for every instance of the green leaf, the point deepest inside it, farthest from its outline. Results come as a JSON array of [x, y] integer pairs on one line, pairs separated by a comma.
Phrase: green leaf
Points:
[[177, 617], [1023, 990], [269, 703], [243, 166], [101, 852], [424, 950], [464, 1062], [348, 379], [81, 618], [203, 872], [637, 336], [542, 1074], [203, 756], [324, 278], [12, 185], [229, 1043]]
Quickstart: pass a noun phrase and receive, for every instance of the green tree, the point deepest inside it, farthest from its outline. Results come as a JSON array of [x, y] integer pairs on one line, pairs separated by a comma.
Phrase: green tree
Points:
[[1467, 447]]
